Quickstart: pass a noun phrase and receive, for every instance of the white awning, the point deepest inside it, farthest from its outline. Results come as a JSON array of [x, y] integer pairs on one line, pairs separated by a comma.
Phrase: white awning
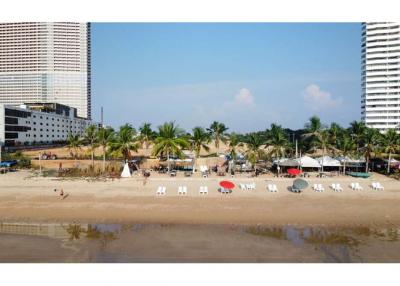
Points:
[[308, 162], [327, 161]]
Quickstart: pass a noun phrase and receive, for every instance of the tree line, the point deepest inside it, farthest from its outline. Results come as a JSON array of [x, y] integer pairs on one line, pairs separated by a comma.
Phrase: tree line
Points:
[[275, 142]]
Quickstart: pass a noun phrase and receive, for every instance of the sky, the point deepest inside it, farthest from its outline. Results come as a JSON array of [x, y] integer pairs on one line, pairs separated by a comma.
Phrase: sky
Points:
[[246, 75]]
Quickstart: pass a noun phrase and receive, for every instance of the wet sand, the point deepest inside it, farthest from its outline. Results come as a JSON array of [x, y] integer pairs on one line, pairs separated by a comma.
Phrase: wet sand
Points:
[[27, 198]]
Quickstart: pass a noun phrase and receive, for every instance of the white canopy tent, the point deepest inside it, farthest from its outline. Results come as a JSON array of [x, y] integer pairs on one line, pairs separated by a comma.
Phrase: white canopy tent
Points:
[[126, 172], [327, 161], [308, 162]]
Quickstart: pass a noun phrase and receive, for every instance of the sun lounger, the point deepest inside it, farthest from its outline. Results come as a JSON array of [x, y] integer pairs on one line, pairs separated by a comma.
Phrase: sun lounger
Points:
[[161, 191], [377, 186], [182, 190], [357, 187], [203, 190], [339, 188], [274, 188], [320, 188]]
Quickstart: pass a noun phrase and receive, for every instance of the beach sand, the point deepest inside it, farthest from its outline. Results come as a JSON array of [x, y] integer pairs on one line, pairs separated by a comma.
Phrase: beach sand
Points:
[[30, 198]]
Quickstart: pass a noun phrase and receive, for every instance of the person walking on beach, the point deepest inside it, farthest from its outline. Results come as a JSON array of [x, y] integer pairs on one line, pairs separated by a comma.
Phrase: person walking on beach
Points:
[[62, 193]]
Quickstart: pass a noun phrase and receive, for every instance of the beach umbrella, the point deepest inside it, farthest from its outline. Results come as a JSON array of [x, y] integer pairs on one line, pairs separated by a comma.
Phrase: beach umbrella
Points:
[[300, 184], [294, 172], [227, 185]]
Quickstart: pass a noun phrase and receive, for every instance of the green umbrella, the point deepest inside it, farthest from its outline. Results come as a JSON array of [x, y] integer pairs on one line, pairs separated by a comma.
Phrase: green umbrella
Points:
[[300, 184]]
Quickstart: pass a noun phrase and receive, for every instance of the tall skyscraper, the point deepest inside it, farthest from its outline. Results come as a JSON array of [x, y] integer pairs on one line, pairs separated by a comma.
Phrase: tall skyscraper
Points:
[[46, 62], [380, 102]]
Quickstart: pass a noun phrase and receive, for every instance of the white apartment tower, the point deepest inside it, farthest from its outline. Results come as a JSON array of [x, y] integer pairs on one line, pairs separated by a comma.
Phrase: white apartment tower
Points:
[[44, 63], [380, 102]]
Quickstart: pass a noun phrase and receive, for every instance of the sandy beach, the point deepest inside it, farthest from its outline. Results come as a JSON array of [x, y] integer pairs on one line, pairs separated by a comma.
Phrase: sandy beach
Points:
[[29, 198]]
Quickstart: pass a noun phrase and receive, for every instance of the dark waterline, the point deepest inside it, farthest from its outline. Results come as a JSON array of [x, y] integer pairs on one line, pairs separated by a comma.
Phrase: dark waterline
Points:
[[72, 242]]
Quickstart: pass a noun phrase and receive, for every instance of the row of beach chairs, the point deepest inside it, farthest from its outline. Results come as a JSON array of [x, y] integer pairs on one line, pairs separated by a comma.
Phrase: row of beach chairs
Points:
[[203, 190], [251, 186]]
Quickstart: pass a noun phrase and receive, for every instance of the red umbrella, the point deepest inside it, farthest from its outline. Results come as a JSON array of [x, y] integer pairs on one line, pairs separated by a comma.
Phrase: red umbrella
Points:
[[227, 185], [294, 172]]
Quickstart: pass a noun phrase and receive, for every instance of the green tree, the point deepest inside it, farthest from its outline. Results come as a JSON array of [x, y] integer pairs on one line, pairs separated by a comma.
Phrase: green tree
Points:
[[346, 146], [390, 141], [147, 135], [90, 139], [105, 136], [277, 142], [323, 142], [198, 141], [356, 130], [370, 139], [74, 143], [217, 132], [169, 141], [254, 151], [125, 141], [313, 130]]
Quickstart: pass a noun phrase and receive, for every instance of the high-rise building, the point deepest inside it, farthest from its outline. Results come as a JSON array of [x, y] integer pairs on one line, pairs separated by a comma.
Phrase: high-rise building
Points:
[[380, 102], [46, 62]]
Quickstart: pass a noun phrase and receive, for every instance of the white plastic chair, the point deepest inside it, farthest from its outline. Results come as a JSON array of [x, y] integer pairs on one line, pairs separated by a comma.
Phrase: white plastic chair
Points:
[[180, 190], [339, 188], [379, 186], [353, 186], [358, 187], [184, 190], [274, 188], [315, 188], [333, 186], [373, 185], [321, 188], [163, 190], [269, 188], [205, 190], [159, 190]]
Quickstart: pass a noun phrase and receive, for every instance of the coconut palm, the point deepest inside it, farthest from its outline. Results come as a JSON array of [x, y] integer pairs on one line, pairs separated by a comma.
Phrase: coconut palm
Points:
[[146, 134], [90, 139], [313, 130], [323, 142], [390, 142], [198, 141], [125, 141], [356, 130], [335, 132], [254, 151], [104, 137], [74, 143], [346, 146], [217, 131], [370, 139], [277, 142], [169, 141]]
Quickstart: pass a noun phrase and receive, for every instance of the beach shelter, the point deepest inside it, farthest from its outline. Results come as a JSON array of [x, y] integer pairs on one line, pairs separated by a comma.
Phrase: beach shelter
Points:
[[126, 172], [327, 161], [286, 163], [308, 162]]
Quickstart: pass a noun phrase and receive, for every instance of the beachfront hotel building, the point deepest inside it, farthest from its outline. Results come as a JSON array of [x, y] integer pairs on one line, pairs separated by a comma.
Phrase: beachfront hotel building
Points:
[[380, 101], [46, 62], [39, 124]]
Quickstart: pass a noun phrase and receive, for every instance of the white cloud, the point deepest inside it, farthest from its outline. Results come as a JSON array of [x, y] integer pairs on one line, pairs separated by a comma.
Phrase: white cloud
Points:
[[244, 97], [318, 99]]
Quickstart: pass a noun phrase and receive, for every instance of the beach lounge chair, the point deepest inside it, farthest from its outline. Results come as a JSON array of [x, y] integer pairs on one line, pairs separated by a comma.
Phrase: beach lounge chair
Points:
[[378, 186], [180, 190], [339, 188], [320, 188], [315, 188], [353, 186], [158, 192], [184, 190], [161, 191], [203, 190], [269, 188], [357, 187], [333, 186], [274, 188]]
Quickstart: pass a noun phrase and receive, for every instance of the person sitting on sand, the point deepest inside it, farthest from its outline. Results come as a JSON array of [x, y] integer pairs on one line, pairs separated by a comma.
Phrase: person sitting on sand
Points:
[[62, 193]]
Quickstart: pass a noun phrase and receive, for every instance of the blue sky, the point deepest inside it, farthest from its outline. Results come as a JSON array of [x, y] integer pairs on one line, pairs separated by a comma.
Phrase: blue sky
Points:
[[246, 75]]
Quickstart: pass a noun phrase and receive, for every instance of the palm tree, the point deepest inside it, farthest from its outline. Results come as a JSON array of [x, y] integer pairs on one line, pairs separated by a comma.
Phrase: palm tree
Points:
[[254, 151], [74, 143], [390, 142], [146, 134], [313, 130], [356, 130], [198, 141], [169, 141], [346, 146], [323, 141], [217, 132], [90, 138], [125, 141], [233, 145], [370, 139], [105, 137], [335, 132], [277, 141]]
